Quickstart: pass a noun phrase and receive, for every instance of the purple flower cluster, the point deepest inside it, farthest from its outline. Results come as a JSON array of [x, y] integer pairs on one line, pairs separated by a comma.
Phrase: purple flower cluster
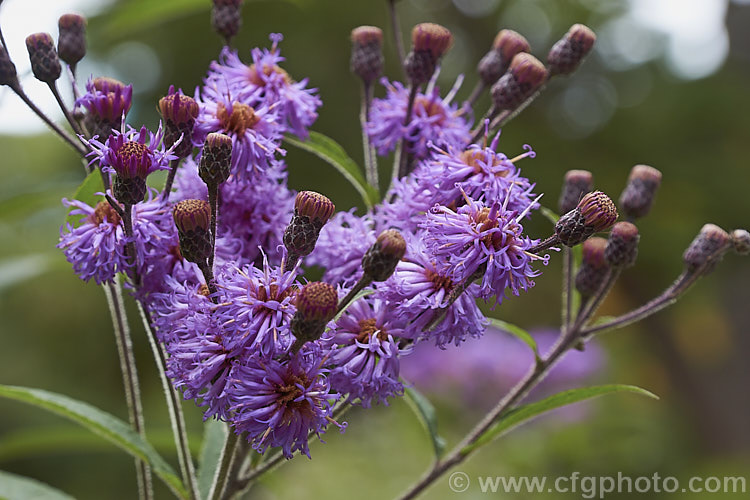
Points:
[[246, 337]]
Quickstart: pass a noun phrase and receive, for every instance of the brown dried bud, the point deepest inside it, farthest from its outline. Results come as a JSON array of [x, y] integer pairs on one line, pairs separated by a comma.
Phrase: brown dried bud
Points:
[[568, 52], [577, 183], [44, 61], [192, 218], [707, 249], [367, 53], [216, 159], [524, 76], [8, 75], [622, 247], [638, 195], [431, 37], [595, 212], [507, 44], [311, 211], [593, 268], [71, 42], [383, 256], [316, 306], [315, 206], [741, 241], [179, 112], [430, 41], [226, 18]]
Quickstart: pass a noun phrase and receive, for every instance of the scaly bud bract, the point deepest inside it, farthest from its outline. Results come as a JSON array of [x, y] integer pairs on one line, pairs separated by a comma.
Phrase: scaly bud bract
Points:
[[524, 76], [638, 195], [622, 247], [568, 52], [71, 41], [216, 159], [383, 256], [707, 249], [593, 268], [44, 61], [595, 212], [367, 53], [192, 218], [507, 44], [577, 183]]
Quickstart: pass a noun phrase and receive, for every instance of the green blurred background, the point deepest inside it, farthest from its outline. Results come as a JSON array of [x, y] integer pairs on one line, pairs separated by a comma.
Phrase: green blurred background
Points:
[[637, 99]]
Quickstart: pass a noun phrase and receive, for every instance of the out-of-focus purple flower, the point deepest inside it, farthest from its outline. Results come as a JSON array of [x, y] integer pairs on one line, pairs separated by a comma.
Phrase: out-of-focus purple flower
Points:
[[433, 120], [405, 204], [419, 290], [363, 355], [278, 403], [257, 309], [133, 153], [340, 247], [96, 247], [482, 370], [256, 213], [188, 184], [477, 239], [264, 82]]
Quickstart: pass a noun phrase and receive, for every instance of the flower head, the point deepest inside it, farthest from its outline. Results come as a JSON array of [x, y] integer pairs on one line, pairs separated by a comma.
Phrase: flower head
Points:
[[278, 403], [107, 101], [133, 153]]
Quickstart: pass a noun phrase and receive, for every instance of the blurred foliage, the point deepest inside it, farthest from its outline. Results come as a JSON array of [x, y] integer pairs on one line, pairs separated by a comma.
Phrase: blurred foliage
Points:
[[55, 330]]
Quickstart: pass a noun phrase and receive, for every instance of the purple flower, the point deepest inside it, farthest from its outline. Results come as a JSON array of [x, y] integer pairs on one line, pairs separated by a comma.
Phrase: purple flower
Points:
[[255, 131], [133, 153], [433, 120], [278, 403], [265, 83], [364, 353], [96, 247], [188, 184], [107, 99], [341, 245], [258, 307], [483, 242], [405, 204], [419, 290], [480, 172], [256, 213]]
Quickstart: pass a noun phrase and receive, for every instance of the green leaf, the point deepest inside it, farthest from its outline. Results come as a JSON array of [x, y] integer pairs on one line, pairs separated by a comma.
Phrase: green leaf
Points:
[[14, 487], [427, 416], [140, 15], [549, 214], [214, 435], [517, 332], [360, 294], [86, 193], [521, 414], [101, 423], [331, 152]]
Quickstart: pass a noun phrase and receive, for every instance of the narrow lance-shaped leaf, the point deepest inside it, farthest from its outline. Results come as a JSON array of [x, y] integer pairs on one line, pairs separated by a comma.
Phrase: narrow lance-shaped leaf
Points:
[[331, 152], [104, 424], [517, 332], [523, 413], [427, 416], [214, 435], [14, 487]]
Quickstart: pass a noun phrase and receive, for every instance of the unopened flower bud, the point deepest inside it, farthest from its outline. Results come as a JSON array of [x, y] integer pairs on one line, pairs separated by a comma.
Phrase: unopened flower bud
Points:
[[577, 183], [507, 44], [524, 76], [741, 241], [593, 268], [622, 247], [381, 258], [639, 194], [594, 213], [44, 61], [707, 249], [311, 211], [316, 306], [367, 53], [71, 41], [429, 42], [192, 218], [8, 75], [568, 52], [226, 18], [179, 112], [216, 159]]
